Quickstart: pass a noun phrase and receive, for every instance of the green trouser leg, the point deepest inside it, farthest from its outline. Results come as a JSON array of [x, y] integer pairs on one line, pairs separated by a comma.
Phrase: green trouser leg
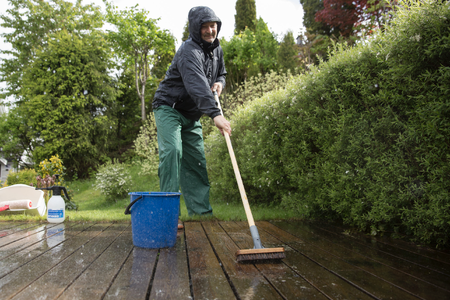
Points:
[[182, 159]]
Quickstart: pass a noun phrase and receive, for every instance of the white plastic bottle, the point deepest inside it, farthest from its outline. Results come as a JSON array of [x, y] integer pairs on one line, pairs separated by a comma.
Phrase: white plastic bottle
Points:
[[56, 209], [56, 206]]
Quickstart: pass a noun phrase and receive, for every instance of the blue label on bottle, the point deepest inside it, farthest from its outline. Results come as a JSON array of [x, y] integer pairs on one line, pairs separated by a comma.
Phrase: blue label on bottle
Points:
[[55, 213]]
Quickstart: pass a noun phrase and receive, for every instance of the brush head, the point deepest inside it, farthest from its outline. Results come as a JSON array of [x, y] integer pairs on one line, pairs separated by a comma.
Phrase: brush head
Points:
[[258, 255]]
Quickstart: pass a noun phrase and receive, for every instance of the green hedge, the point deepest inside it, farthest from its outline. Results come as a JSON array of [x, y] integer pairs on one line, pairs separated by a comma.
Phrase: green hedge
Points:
[[364, 138]]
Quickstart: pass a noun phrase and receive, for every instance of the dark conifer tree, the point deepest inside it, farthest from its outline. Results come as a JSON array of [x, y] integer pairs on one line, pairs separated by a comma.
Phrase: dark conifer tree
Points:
[[310, 8], [185, 31], [288, 53], [245, 16]]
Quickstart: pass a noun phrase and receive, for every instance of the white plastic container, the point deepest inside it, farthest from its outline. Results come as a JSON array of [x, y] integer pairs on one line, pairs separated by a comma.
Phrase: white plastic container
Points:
[[56, 209]]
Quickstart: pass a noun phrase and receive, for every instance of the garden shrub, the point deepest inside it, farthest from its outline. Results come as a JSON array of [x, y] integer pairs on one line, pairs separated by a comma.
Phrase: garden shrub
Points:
[[251, 89], [254, 88], [362, 138], [25, 176], [51, 167], [146, 146], [48, 169], [113, 179]]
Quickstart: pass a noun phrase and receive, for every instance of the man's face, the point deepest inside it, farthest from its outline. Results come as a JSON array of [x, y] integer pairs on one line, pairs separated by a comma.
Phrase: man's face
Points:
[[209, 31]]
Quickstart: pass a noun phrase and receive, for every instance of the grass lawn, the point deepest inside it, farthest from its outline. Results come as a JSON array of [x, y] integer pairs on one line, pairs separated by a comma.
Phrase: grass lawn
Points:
[[93, 206]]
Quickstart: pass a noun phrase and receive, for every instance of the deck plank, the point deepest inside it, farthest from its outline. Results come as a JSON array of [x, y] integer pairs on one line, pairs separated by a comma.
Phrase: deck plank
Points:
[[134, 278], [19, 232], [44, 232], [16, 281], [372, 265], [385, 243], [246, 279], [283, 280], [412, 267], [41, 246], [348, 282], [98, 261], [63, 275], [12, 227], [431, 259], [21, 238], [348, 264], [207, 276], [328, 283], [171, 280], [96, 278], [4, 226]]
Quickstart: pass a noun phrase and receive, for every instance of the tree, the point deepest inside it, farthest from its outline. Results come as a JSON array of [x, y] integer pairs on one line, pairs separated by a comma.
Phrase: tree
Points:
[[185, 31], [125, 114], [31, 21], [14, 140], [238, 56], [67, 92], [288, 53], [340, 15], [267, 44], [310, 8], [248, 54], [245, 16], [312, 48], [347, 17], [319, 35], [136, 39], [162, 63], [315, 41]]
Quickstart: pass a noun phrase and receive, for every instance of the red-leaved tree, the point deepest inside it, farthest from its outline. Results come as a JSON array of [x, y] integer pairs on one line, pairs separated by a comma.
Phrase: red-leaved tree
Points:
[[348, 17]]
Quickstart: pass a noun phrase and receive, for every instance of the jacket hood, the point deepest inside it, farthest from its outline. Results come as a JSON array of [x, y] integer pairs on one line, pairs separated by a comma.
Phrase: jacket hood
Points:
[[199, 15]]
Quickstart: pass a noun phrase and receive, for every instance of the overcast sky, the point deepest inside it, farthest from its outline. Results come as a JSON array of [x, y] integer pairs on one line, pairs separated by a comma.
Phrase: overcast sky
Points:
[[280, 15]]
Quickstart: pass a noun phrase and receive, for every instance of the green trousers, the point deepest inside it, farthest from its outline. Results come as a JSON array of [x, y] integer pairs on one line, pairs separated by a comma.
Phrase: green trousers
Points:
[[182, 160]]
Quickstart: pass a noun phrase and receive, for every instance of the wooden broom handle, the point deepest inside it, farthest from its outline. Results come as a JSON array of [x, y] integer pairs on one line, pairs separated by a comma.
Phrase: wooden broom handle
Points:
[[248, 212]]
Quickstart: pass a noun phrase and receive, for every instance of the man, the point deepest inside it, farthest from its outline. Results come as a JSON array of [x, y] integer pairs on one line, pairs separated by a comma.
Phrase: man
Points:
[[185, 94]]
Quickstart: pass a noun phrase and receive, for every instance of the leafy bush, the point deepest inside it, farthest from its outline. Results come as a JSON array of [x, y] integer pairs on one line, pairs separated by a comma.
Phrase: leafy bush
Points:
[[113, 180], [51, 167], [260, 173], [48, 169], [254, 88], [251, 89], [146, 146], [25, 176], [363, 138]]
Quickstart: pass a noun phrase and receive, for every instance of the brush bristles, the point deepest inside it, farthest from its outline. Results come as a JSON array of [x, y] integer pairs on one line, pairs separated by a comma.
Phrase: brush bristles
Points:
[[258, 257], [260, 254]]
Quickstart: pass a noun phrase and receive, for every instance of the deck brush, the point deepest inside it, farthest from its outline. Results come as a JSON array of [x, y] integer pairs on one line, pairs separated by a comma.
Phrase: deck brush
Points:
[[255, 255], [258, 253]]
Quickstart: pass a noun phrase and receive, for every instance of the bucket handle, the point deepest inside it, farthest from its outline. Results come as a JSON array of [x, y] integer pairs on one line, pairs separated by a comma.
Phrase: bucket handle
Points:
[[127, 210]]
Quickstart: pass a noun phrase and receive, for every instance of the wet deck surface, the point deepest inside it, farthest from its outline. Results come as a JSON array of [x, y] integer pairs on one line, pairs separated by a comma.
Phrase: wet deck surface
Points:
[[99, 261]]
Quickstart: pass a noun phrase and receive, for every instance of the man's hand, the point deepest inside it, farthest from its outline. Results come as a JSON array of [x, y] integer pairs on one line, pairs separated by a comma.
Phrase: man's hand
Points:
[[217, 87], [222, 124]]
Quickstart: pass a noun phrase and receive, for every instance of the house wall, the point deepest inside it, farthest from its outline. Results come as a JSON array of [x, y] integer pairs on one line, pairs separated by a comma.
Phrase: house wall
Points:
[[4, 170]]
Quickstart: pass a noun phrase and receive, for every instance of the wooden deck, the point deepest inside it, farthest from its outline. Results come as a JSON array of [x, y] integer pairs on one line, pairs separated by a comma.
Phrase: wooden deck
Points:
[[99, 261]]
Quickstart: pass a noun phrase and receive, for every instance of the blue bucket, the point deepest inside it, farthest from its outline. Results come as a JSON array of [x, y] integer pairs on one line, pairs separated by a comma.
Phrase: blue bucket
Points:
[[154, 218]]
